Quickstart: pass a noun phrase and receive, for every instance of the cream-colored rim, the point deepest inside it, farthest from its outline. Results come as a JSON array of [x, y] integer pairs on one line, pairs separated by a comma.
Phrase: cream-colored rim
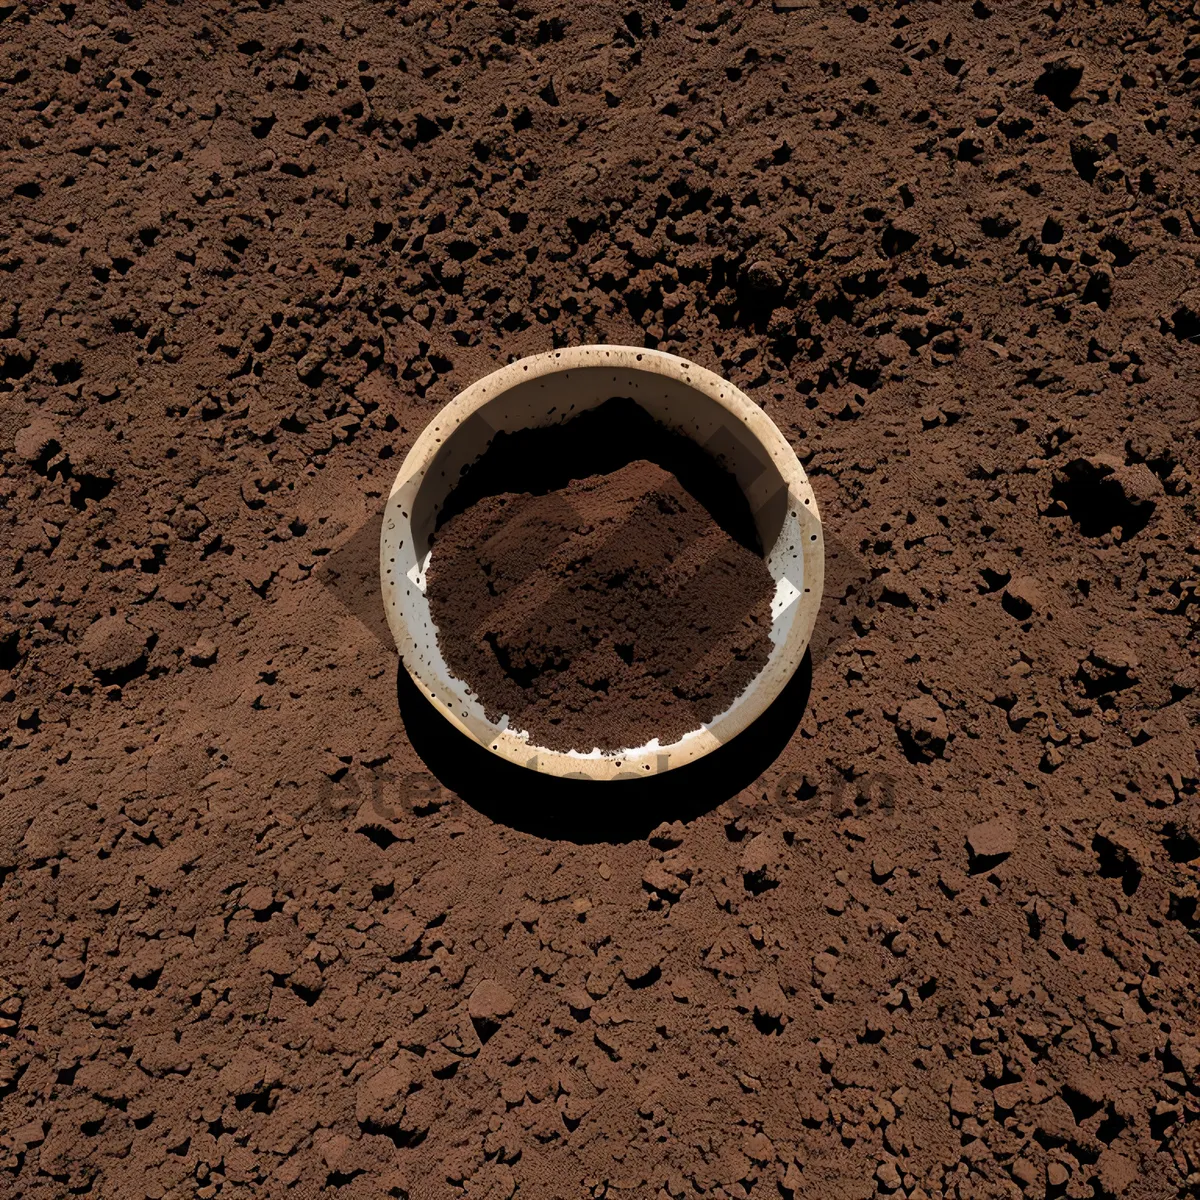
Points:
[[520, 395]]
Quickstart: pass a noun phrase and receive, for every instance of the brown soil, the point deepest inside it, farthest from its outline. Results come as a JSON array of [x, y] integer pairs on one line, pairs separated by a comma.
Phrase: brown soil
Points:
[[603, 614], [938, 938]]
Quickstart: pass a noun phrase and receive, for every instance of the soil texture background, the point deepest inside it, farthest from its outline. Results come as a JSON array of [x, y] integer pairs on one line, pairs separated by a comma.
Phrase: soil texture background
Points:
[[943, 943]]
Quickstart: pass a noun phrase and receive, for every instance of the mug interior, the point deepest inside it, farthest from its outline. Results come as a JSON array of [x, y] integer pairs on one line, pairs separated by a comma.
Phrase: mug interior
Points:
[[519, 397]]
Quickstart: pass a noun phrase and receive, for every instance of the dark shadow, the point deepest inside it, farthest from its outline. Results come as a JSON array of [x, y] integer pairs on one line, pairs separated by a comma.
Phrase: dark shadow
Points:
[[1058, 82], [1096, 502], [980, 864], [1116, 863], [351, 574], [576, 810], [1179, 843], [600, 441]]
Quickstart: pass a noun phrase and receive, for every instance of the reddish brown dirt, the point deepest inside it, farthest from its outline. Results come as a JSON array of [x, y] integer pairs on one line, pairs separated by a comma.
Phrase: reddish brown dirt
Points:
[[247, 255], [602, 614]]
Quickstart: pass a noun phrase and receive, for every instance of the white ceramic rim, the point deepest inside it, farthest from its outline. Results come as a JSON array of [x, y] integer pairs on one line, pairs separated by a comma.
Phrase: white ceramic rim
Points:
[[798, 568]]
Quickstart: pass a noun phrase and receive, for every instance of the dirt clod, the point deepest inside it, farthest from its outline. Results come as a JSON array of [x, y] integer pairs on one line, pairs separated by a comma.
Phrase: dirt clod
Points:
[[991, 839], [113, 647], [489, 1001], [922, 728]]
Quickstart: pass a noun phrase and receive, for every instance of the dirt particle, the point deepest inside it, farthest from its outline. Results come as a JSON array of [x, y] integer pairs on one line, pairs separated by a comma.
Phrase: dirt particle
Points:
[[1023, 597], [202, 652], [490, 1001], [991, 841], [115, 649], [922, 729], [37, 441]]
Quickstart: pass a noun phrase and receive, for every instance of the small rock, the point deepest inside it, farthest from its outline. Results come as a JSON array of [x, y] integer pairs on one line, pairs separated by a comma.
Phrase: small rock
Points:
[[241, 1165], [308, 980], [1116, 1172], [203, 652], [668, 836], [991, 840], [176, 594], [114, 649], [577, 999], [768, 1000], [333, 1150], [887, 1175], [1024, 1171], [922, 728], [1114, 655], [656, 878], [882, 867], [490, 1002], [147, 963], [1110, 666], [762, 276], [760, 863], [1023, 597], [1139, 484], [1086, 1082], [1057, 1174], [639, 963], [380, 1099], [258, 899], [289, 1170], [599, 983], [29, 1135], [759, 1148], [1052, 759], [37, 440], [681, 988], [189, 523], [1186, 680], [70, 971], [1055, 1119], [823, 963], [273, 956], [962, 1097]]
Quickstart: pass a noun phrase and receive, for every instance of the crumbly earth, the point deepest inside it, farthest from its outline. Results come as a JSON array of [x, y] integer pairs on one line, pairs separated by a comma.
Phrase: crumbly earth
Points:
[[944, 945], [602, 614]]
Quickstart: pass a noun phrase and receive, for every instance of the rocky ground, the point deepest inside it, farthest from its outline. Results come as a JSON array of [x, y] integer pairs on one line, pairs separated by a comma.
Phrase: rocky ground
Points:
[[940, 942]]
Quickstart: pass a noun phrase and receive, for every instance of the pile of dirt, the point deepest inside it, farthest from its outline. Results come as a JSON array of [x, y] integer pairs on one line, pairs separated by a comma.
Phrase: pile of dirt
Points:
[[938, 939], [603, 614]]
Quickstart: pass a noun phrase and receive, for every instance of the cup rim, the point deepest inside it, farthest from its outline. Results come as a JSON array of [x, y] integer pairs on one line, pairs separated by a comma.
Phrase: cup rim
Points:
[[651, 759]]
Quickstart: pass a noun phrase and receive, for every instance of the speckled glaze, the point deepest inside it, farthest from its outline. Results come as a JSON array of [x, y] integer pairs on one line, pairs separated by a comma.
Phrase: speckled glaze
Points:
[[549, 388]]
